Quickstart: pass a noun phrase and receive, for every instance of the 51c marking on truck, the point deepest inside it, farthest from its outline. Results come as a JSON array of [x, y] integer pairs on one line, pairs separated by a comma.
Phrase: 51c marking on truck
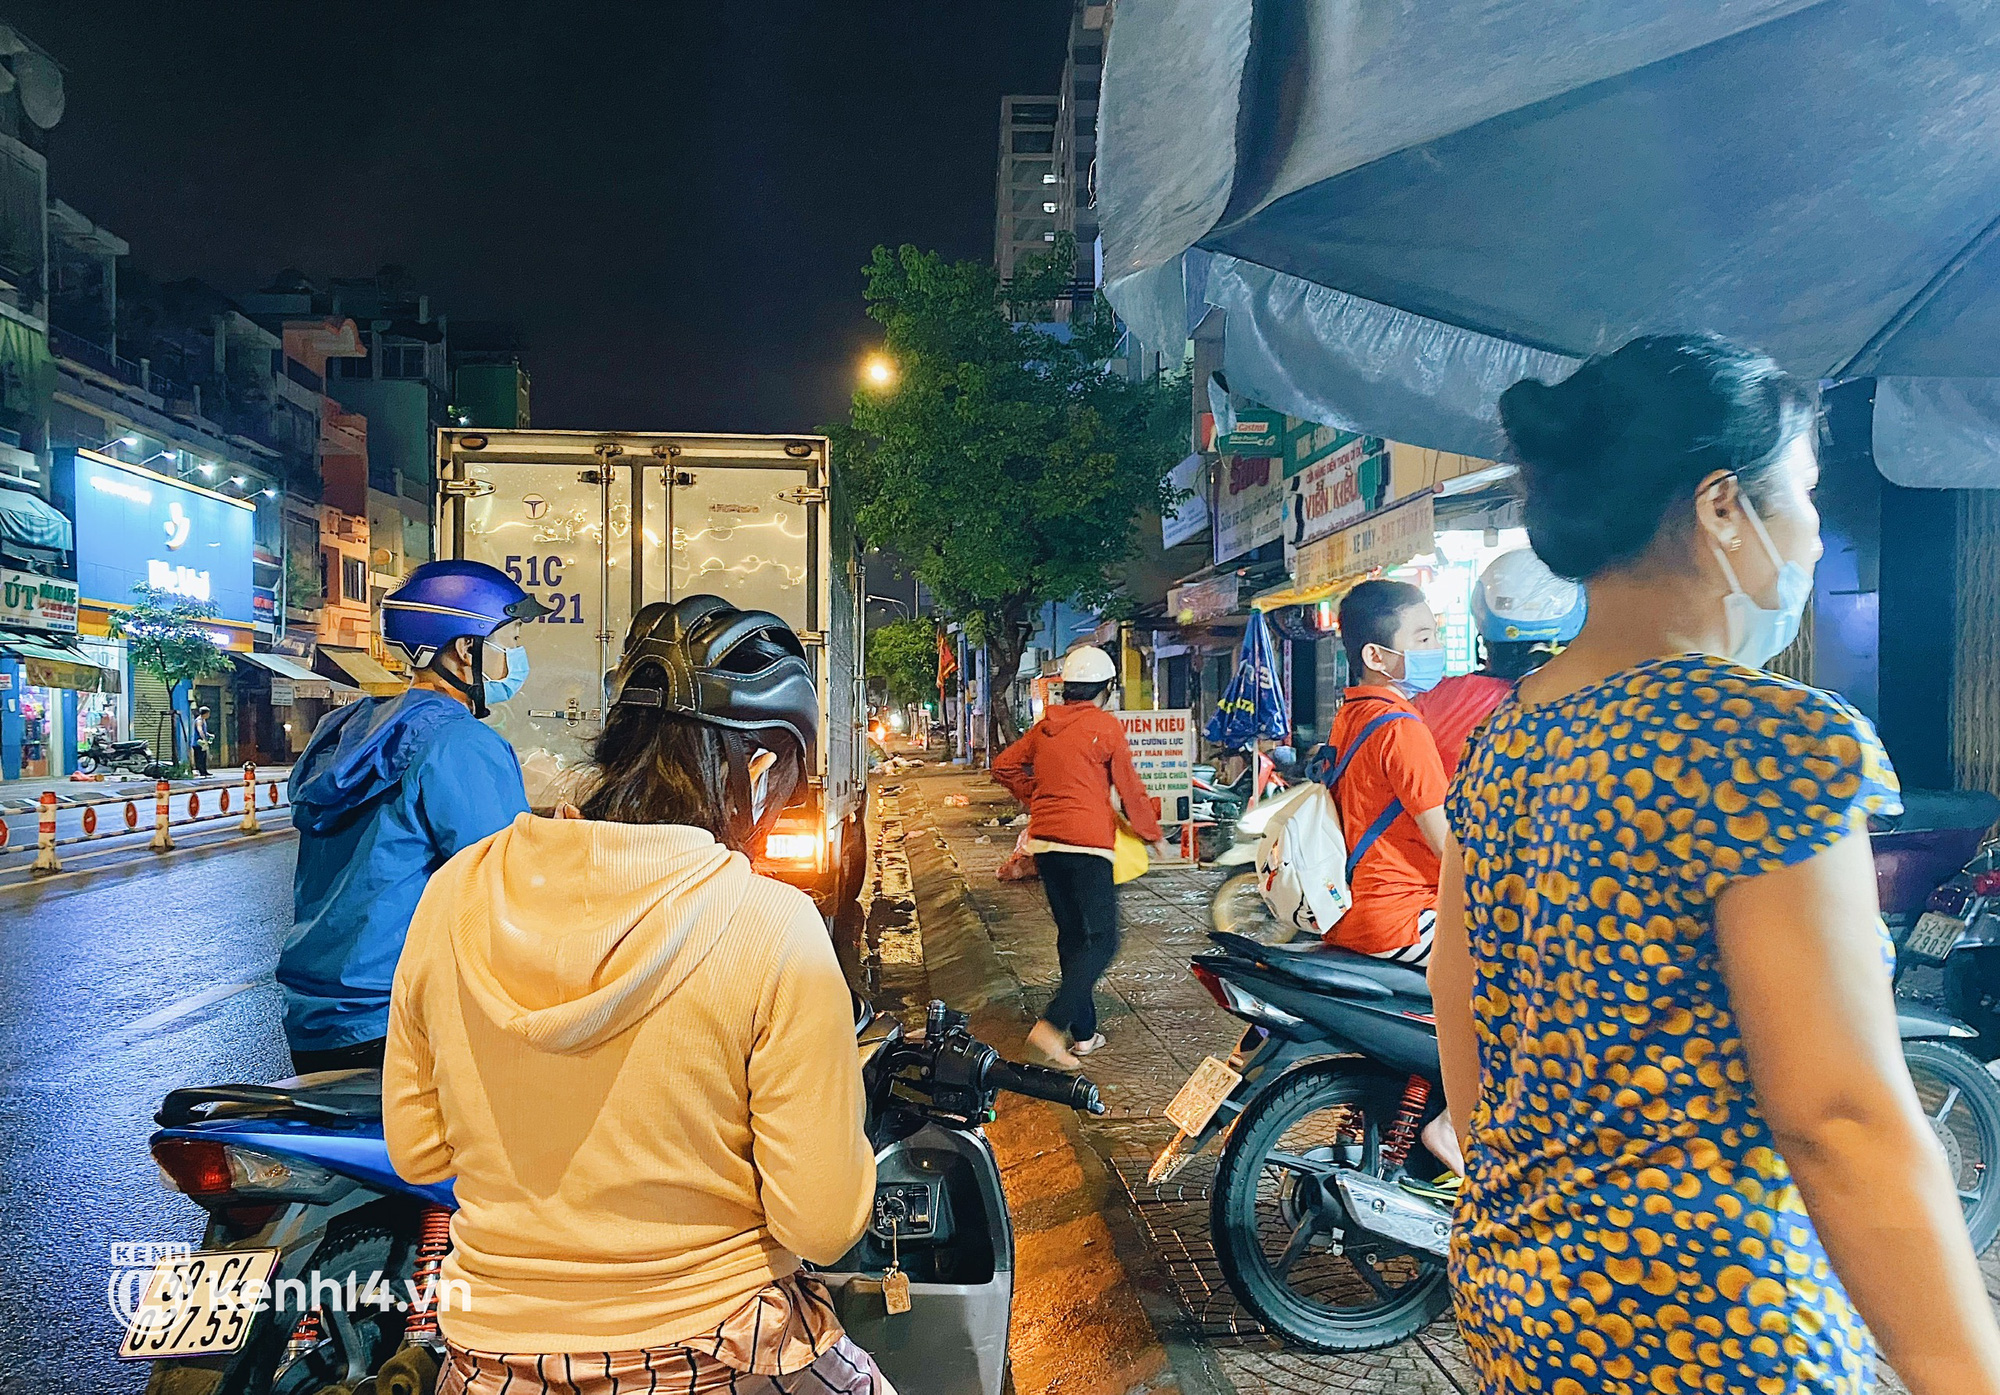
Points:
[[565, 607]]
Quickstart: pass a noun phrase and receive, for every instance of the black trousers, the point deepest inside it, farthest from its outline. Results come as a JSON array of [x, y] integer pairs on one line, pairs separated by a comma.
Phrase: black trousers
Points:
[[362, 1055], [1085, 904], [200, 759]]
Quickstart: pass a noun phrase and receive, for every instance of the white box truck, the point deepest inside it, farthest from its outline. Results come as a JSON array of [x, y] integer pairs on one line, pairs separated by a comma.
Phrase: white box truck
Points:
[[598, 524]]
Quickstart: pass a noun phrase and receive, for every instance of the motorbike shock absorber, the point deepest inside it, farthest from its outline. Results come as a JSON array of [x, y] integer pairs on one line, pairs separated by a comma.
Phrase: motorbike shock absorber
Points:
[[306, 1334], [433, 1243], [1402, 1134]]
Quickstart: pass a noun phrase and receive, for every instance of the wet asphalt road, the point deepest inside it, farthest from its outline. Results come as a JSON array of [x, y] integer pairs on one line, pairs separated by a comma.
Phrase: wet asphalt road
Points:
[[115, 987]]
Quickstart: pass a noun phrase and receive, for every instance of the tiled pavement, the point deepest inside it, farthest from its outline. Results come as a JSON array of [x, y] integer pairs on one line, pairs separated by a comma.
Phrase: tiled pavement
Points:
[[1160, 1024]]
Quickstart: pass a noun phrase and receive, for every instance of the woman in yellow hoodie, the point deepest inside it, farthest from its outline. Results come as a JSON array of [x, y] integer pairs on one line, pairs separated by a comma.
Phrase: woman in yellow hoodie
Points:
[[636, 1056]]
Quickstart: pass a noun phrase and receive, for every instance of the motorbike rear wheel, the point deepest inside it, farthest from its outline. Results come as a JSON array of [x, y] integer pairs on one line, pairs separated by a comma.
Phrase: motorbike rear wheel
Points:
[[86, 764], [1962, 1102], [1274, 1228]]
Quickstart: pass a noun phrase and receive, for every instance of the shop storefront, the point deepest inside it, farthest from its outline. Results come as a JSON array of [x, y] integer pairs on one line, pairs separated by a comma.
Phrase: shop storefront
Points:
[[137, 528]]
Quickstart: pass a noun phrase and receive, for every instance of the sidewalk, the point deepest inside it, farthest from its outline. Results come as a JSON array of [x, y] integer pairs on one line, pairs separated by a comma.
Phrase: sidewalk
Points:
[[1160, 1024], [1080, 1324]]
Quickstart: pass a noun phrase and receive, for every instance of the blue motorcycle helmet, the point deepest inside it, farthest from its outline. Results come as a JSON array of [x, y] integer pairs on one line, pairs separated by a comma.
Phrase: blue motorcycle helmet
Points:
[[444, 601], [1518, 600]]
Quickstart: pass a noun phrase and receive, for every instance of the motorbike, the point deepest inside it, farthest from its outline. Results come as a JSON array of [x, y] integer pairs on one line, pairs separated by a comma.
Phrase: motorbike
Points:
[[105, 754], [1227, 821], [1318, 1210], [1937, 876], [303, 1203]]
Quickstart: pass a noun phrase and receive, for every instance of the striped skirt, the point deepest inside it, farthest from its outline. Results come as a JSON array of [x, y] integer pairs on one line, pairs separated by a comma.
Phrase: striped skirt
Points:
[[785, 1340]]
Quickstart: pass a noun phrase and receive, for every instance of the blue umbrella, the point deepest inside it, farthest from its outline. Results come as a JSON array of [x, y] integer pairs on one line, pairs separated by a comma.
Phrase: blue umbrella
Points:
[[1818, 178], [1254, 704]]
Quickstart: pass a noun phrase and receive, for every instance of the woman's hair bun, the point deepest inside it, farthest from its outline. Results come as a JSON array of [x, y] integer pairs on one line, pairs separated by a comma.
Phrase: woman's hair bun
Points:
[[1549, 425], [1613, 450]]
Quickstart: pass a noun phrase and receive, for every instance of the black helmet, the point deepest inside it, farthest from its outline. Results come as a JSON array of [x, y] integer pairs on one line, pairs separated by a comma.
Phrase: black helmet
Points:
[[743, 670]]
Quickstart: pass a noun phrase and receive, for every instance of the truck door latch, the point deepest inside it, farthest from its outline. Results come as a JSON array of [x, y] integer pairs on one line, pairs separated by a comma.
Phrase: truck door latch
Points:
[[804, 495], [465, 489], [574, 714]]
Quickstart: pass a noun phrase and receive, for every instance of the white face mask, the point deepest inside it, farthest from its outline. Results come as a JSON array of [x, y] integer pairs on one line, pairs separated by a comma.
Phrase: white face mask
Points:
[[1756, 634]]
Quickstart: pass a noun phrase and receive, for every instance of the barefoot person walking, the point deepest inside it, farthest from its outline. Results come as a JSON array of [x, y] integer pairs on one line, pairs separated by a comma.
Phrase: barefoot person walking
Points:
[[1064, 770]]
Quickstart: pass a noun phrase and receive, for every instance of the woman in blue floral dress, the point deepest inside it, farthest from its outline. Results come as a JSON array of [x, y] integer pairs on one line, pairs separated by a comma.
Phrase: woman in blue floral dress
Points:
[[1695, 1161]]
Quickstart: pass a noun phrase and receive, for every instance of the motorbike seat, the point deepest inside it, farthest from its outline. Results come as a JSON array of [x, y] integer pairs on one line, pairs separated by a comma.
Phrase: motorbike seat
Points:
[[347, 1095], [1331, 970], [1929, 811], [1326, 966]]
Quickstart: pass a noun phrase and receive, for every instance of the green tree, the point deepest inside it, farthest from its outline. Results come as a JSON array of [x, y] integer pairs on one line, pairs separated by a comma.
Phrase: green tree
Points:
[[169, 638], [1004, 463], [903, 656]]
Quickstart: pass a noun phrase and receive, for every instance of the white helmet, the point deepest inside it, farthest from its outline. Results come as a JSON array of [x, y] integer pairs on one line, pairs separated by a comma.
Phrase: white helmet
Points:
[[1518, 599], [1088, 664]]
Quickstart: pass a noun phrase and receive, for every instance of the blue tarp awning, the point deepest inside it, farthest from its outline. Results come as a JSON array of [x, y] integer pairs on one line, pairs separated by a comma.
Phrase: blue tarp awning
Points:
[[32, 522], [1403, 206]]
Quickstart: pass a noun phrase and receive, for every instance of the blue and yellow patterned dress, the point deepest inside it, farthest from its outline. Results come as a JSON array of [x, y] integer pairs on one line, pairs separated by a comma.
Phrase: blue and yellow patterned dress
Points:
[[1626, 1225]]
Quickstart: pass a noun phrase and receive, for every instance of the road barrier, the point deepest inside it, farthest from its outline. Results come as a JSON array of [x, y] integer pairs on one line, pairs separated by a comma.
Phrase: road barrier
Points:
[[45, 840], [205, 808]]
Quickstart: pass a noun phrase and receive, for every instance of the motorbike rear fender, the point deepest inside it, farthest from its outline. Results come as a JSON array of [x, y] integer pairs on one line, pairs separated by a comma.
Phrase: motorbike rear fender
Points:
[[359, 1154], [1399, 1033], [1915, 1022]]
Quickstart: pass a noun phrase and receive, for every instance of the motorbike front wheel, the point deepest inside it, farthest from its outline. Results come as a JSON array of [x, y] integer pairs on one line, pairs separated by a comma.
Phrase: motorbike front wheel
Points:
[[1279, 1229], [1962, 1103]]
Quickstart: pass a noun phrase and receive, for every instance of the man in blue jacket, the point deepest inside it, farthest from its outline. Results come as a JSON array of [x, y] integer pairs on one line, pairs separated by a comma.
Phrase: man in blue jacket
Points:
[[386, 792]]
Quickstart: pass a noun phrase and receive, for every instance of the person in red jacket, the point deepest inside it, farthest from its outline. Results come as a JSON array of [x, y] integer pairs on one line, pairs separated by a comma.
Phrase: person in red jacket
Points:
[[1064, 770], [1524, 612]]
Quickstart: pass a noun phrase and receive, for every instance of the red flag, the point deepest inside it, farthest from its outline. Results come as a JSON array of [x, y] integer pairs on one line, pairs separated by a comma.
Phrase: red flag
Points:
[[947, 660]]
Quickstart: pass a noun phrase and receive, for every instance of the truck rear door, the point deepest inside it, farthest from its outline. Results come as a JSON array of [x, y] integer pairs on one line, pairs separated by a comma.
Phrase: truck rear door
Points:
[[598, 525]]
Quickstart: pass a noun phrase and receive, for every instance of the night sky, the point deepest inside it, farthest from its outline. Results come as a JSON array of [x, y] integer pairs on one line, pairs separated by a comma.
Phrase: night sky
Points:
[[672, 201]]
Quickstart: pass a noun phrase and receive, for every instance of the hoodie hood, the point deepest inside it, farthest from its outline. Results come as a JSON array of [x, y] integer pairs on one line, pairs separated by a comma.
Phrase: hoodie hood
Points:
[[1059, 717], [362, 751], [569, 931]]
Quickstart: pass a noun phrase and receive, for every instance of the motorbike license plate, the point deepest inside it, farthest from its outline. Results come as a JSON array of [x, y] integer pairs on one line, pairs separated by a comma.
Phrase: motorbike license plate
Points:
[[1934, 935], [1211, 1084], [199, 1305]]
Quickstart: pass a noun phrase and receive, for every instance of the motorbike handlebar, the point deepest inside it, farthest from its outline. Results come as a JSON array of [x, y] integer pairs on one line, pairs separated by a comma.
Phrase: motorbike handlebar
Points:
[[1039, 1082]]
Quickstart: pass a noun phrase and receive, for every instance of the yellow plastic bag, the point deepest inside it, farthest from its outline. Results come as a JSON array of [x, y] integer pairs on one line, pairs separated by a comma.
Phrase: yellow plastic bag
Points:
[[1129, 859]]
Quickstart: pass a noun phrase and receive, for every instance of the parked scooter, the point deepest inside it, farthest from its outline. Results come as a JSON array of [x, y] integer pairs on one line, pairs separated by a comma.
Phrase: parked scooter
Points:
[[1322, 1102], [105, 754], [1937, 875], [299, 1189]]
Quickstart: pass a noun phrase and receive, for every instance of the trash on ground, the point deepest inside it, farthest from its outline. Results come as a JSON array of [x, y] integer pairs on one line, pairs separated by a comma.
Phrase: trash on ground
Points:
[[984, 838], [1018, 821], [958, 801]]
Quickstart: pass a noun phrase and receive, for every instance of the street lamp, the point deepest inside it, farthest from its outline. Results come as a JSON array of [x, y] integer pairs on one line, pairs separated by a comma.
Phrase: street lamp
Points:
[[879, 371], [892, 600]]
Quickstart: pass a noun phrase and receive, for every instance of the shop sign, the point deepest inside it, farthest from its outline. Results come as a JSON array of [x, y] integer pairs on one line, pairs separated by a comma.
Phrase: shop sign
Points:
[[1343, 486], [134, 527], [1249, 505], [1204, 600], [1190, 516], [1257, 433], [1386, 539], [37, 602], [1162, 746], [282, 692]]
